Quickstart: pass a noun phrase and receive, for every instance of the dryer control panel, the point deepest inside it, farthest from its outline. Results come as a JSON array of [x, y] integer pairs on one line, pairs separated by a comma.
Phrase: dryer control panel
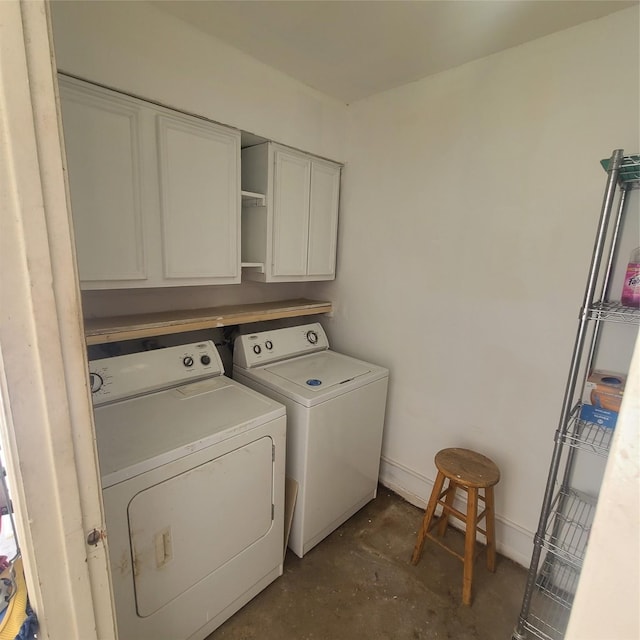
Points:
[[139, 373], [256, 349]]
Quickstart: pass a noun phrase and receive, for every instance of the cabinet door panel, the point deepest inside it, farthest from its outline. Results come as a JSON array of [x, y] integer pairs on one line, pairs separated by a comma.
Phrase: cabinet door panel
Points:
[[102, 141], [200, 199], [323, 219], [290, 214]]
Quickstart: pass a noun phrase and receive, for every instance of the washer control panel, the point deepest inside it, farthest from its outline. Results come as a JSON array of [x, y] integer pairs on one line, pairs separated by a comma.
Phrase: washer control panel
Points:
[[138, 373], [256, 349]]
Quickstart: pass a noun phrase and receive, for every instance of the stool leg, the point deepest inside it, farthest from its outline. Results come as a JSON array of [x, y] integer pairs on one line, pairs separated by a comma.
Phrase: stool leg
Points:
[[469, 544], [490, 528], [428, 516], [444, 518]]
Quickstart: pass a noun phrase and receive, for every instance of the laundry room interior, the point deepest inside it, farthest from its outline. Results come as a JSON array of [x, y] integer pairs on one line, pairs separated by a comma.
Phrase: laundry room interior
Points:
[[467, 203]]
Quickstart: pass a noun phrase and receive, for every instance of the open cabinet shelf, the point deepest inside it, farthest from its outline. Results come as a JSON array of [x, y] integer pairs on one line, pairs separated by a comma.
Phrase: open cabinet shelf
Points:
[[252, 199]]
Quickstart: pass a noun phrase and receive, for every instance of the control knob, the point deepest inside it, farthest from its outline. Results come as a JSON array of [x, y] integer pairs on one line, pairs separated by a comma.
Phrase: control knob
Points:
[[312, 337], [96, 381], [187, 361], [269, 345], [256, 349], [205, 359]]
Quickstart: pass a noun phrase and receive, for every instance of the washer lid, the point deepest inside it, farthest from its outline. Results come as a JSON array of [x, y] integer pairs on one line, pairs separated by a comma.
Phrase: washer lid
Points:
[[319, 372]]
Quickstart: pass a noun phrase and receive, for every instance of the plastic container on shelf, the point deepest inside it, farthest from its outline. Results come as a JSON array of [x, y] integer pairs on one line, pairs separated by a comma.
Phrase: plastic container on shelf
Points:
[[631, 287]]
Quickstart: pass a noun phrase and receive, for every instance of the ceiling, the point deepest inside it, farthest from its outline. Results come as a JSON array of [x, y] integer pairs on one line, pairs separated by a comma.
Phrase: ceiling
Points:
[[352, 49]]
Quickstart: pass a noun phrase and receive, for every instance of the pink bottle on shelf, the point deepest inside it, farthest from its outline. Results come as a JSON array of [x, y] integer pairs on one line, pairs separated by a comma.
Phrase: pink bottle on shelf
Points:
[[631, 287]]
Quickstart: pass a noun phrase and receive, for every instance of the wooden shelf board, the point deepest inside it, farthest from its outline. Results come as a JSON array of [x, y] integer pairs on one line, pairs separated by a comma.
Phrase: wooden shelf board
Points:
[[115, 329]]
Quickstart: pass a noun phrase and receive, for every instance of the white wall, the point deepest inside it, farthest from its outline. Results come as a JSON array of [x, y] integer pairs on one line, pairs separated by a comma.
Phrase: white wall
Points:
[[468, 217], [137, 48]]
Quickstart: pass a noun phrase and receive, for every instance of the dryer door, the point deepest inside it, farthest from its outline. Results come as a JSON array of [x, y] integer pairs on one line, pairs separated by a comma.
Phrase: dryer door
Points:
[[186, 527]]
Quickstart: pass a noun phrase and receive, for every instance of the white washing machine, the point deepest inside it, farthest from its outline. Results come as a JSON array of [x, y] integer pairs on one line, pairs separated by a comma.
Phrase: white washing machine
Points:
[[192, 467], [335, 416]]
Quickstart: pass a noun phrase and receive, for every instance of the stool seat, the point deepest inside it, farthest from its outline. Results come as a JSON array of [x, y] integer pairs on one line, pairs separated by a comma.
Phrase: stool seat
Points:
[[467, 467], [471, 472]]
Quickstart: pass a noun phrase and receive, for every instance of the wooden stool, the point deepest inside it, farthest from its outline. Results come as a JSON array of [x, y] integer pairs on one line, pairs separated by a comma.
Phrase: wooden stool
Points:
[[469, 471]]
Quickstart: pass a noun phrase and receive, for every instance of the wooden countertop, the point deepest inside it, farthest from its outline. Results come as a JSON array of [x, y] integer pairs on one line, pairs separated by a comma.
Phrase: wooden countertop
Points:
[[101, 330]]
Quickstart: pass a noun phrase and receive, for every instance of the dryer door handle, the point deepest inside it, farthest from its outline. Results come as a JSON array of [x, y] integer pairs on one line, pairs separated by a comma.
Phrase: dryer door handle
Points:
[[164, 548]]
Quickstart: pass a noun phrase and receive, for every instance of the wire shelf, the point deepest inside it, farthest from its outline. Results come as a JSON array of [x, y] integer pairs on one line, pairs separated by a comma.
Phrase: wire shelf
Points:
[[629, 169], [552, 600], [587, 435], [569, 526], [614, 312]]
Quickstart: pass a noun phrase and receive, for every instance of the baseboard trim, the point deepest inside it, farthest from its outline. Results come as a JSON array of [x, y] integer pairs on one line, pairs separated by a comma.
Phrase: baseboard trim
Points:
[[512, 540]]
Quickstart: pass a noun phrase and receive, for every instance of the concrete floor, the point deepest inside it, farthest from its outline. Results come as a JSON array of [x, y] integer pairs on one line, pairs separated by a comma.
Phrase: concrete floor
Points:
[[359, 584]]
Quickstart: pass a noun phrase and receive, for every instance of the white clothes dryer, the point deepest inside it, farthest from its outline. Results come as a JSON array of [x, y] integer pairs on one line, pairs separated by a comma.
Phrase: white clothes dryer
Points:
[[335, 416], [192, 467]]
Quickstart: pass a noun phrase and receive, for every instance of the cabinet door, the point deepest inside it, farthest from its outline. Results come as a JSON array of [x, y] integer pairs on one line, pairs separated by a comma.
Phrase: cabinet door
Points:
[[200, 198], [103, 148], [290, 213], [323, 219]]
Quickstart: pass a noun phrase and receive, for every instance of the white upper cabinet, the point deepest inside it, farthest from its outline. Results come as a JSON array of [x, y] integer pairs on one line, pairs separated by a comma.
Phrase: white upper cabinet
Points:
[[323, 219], [293, 236], [291, 189], [199, 199], [105, 167], [155, 194]]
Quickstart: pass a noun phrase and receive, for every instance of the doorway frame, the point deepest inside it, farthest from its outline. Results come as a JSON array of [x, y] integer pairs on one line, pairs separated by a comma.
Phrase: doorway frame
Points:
[[46, 417]]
